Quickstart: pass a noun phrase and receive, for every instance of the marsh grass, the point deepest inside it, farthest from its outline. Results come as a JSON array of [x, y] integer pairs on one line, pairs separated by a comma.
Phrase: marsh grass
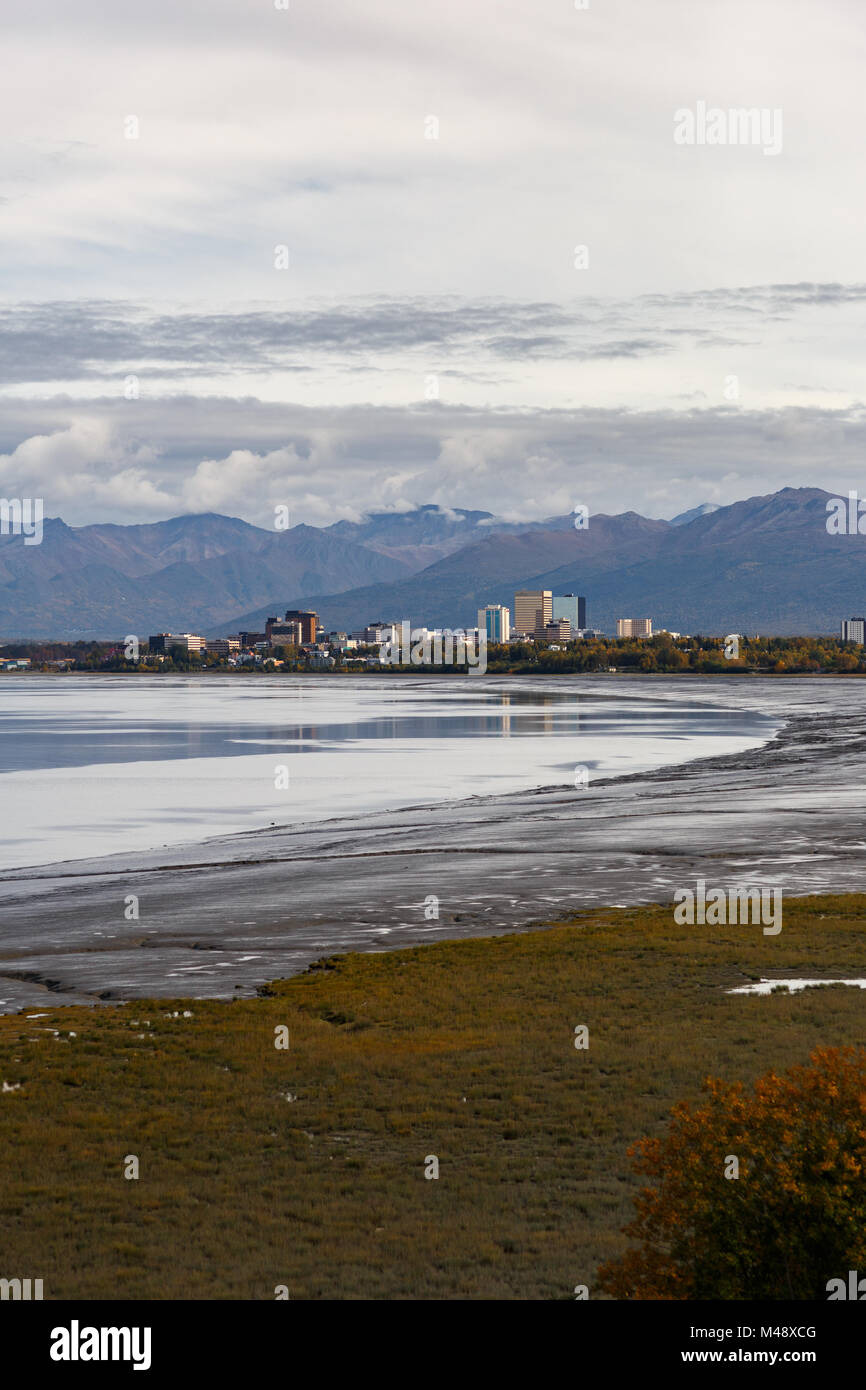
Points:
[[461, 1049]]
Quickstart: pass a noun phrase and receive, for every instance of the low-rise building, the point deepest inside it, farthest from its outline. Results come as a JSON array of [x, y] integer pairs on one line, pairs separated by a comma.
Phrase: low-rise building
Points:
[[164, 642], [375, 633]]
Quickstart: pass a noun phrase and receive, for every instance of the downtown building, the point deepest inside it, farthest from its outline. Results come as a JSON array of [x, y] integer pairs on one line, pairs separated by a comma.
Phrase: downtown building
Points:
[[495, 621], [377, 632], [572, 607], [280, 632], [634, 627], [161, 643], [854, 630], [307, 621], [533, 610]]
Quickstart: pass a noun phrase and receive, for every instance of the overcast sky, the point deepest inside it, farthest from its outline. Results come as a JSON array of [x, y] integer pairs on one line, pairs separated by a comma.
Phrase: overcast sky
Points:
[[427, 171]]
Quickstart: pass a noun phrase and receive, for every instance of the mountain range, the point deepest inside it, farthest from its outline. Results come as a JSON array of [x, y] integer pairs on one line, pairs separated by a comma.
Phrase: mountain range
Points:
[[765, 564]]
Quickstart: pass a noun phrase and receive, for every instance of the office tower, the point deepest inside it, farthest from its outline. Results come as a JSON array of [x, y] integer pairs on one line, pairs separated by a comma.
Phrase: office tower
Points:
[[533, 610], [854, 630], [495, 620], [558, 630], [309, 623], [572, 607]]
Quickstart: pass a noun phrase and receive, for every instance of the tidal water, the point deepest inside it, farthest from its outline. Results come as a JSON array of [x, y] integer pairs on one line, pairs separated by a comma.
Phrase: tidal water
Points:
[[462, 791], [99, 765]]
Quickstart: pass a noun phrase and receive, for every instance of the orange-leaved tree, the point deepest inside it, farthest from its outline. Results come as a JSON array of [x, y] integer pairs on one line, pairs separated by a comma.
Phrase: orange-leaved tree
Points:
[[756, 1194]]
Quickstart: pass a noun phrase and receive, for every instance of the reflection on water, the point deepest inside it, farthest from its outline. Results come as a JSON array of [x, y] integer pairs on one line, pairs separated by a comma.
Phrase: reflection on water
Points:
[[60, 736], [791, 986], [96, 764]]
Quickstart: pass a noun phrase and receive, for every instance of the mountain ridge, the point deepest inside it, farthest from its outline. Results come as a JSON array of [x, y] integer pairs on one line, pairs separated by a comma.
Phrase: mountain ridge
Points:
[[761, 563]]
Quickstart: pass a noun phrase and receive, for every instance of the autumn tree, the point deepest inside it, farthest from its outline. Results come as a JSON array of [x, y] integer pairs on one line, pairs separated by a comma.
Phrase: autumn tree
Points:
[[755, 1193]]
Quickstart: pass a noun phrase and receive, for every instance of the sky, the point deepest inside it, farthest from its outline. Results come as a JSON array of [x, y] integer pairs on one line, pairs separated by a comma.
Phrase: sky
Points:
[[346, 257]]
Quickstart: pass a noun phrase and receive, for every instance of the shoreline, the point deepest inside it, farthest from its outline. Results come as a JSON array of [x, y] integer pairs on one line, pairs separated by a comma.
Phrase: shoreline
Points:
[[180, 783], [447, 673], [226, 916]]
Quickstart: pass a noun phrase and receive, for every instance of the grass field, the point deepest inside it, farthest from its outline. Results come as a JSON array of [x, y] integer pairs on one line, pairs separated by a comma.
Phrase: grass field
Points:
[[305, 1167]]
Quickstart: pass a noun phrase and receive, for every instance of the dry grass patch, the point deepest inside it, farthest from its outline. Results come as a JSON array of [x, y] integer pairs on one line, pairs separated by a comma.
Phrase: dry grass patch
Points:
[[306, 1167]]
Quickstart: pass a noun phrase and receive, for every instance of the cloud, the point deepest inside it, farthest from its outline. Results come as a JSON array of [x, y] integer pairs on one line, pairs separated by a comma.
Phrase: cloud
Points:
[[552, 132], [342, 463], [86, 465], [103, 342], [413, 258]]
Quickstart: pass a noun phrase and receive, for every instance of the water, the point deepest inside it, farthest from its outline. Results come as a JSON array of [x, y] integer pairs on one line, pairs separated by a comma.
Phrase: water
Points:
[[791, 986], [92, 765]]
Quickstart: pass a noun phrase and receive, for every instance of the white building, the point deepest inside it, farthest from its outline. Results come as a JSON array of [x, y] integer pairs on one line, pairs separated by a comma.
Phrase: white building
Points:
[[376, 633], [634, 627], [495, 620]]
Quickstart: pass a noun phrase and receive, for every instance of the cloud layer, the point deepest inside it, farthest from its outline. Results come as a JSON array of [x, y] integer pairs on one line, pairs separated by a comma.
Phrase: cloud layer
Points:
[[505, 285]]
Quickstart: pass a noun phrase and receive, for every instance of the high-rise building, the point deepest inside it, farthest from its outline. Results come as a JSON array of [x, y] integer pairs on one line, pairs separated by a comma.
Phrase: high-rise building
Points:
[[854, 630], [284, 634], [634, 627], [558, 630], [309, 623], [572, 607], [495, 620], [533, 610]]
